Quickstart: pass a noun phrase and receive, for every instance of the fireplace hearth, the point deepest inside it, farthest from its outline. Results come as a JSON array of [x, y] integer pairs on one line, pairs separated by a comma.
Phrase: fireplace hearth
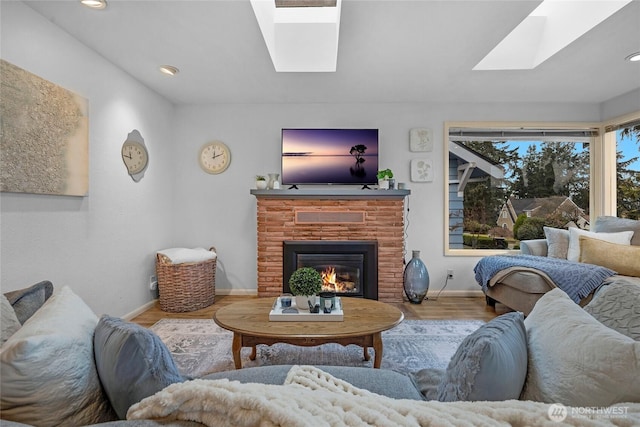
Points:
[[348, 267]]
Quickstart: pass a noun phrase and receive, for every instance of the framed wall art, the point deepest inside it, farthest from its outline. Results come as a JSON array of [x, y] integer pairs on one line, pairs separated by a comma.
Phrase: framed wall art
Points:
[[422, 170], [45, 136], [421, 139]]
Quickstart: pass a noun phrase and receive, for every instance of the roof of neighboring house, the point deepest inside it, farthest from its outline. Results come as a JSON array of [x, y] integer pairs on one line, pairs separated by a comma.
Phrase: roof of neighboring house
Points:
[[539, 206]]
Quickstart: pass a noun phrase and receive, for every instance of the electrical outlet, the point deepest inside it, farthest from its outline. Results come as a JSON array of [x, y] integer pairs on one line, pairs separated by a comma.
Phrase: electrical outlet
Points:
[[449, 274], [153, 283]]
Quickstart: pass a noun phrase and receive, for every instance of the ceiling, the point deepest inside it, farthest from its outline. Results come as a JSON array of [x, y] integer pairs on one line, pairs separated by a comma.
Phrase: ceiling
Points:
[[389, 51]]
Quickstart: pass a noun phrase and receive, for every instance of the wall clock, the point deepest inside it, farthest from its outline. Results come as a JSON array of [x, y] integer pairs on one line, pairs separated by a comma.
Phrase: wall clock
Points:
[[214, 157], [135, 155]]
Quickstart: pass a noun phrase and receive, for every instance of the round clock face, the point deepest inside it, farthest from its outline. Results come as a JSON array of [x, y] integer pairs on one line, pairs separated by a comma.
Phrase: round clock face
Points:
[[215, 157], [135, 156]]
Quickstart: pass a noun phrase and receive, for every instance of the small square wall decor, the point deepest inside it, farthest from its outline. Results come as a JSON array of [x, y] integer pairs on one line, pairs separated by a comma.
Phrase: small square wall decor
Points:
[[422, 170], [421, 139]]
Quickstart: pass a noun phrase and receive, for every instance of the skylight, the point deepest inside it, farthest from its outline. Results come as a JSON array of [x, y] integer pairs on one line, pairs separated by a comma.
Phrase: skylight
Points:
[[300, 39], [553, 25]]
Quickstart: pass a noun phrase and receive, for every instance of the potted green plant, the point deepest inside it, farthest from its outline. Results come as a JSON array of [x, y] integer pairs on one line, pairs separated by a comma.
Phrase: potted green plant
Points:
[[384, 176], [261, 182], [304, 283]]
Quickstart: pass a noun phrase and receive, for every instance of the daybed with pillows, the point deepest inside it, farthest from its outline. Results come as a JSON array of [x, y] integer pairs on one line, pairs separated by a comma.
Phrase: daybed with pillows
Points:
[[65, 366], [575, 260]]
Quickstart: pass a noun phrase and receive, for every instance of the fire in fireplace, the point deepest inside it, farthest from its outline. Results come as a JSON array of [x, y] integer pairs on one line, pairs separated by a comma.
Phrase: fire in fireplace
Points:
[[348, 268]]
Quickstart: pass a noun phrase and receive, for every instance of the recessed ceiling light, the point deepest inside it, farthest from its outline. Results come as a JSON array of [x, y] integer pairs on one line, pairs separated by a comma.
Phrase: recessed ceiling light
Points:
[[634, 57], [94, 4], [169, 70]]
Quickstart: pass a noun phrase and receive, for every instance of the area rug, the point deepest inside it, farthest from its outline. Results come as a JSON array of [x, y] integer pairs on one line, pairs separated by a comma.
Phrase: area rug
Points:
[[200, 347]]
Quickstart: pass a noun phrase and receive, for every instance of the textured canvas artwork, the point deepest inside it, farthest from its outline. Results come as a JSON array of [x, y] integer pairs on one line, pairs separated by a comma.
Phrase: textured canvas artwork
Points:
[[45, 136]]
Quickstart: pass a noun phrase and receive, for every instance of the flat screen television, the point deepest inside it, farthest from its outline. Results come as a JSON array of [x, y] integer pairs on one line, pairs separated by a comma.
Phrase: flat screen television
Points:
[[329, 156]]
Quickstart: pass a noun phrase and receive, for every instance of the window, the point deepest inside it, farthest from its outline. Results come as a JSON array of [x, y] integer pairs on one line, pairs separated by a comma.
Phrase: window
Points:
[[627, 167], [506, 182]]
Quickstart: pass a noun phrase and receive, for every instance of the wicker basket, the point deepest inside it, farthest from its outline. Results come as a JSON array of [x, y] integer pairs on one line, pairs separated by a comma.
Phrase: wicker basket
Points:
[[185, 287]]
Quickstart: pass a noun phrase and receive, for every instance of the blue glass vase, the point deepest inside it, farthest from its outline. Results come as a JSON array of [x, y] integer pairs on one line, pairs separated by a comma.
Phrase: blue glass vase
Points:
[[416, 279]]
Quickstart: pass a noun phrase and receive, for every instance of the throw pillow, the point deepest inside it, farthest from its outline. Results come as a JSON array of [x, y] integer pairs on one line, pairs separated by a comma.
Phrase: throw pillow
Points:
[[47, 368], [623, 238], [27, 301], [576, 360], [624, 259], [133, 363], [10, 323], [611, 224], [557, 242], [617, 305], [490, 364]]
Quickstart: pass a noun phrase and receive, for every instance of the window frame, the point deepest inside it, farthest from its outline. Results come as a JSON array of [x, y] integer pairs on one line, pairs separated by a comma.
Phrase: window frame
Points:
[[596, 180], [607, 164]]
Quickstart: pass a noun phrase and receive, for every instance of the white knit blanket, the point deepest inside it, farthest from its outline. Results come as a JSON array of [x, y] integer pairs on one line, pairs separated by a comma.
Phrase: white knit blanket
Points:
[[312, 397]]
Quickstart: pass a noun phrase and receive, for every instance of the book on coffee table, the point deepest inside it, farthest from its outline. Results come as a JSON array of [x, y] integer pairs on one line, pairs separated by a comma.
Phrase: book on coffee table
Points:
[[303, 315]]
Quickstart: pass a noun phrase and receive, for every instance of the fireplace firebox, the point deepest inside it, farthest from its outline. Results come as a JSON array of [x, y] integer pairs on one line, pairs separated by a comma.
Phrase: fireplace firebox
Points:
[[348, 267]]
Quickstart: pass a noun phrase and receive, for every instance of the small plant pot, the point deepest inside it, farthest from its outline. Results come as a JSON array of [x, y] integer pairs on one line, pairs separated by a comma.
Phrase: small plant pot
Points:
[[261, 185], [383, 184]]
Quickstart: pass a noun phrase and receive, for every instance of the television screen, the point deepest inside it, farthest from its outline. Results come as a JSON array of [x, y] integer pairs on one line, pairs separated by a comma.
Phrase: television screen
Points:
[[329, 156]]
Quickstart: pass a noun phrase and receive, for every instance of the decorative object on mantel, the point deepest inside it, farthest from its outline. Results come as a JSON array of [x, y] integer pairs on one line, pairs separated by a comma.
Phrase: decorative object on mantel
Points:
[[416, 279], [274, 184], [261, 182], [385, 179], [135, 155], [45, 136], [422, 170], [305, 283], [421, 139]]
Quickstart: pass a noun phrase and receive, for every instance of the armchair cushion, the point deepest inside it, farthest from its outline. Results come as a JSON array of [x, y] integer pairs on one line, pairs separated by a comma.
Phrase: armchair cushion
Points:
[[27, 301], [132, 362], [490, 364], [604, 371], [9, 322], [557, 242], [612, 224], [47, 368]]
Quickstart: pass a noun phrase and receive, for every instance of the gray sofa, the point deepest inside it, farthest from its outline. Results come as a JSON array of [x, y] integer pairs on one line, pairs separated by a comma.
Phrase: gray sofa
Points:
[[112, 365], [520, 289]]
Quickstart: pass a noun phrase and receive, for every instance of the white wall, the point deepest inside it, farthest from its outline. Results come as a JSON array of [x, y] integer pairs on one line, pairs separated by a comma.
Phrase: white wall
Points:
[[102, 245], [621, 105], [218, 209]]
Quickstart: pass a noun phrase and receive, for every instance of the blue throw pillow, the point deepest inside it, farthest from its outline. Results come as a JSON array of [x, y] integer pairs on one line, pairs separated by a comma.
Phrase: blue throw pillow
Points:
[[490, 364], [132, 362]]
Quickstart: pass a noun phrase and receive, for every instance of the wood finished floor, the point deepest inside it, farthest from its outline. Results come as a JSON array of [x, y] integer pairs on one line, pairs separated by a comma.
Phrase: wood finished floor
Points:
[[444, 308]]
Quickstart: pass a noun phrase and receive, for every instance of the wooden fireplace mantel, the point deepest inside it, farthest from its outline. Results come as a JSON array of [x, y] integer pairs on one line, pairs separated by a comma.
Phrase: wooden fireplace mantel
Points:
[[338, 193], [331, 214]]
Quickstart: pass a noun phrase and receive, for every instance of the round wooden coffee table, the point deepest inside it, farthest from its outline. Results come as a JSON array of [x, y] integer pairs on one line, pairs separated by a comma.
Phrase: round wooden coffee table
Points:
[[364, 321]]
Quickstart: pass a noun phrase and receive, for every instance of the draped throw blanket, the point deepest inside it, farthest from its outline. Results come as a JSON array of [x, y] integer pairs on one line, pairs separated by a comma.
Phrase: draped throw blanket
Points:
[[312, 397], [576, 279]]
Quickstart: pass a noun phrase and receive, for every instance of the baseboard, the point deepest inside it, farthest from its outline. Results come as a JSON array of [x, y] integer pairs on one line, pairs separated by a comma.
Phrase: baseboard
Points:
[[456, 293], [138, 311], [238, 292]]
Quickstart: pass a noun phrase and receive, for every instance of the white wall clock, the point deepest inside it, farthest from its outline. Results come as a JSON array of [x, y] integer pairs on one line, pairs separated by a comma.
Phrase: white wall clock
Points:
[[214, 157], [422, 170], [421, 139], [135, 155]]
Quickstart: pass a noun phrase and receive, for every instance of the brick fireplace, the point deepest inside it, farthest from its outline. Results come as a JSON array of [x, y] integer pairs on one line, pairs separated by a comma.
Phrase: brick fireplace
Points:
[[335, 215]]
